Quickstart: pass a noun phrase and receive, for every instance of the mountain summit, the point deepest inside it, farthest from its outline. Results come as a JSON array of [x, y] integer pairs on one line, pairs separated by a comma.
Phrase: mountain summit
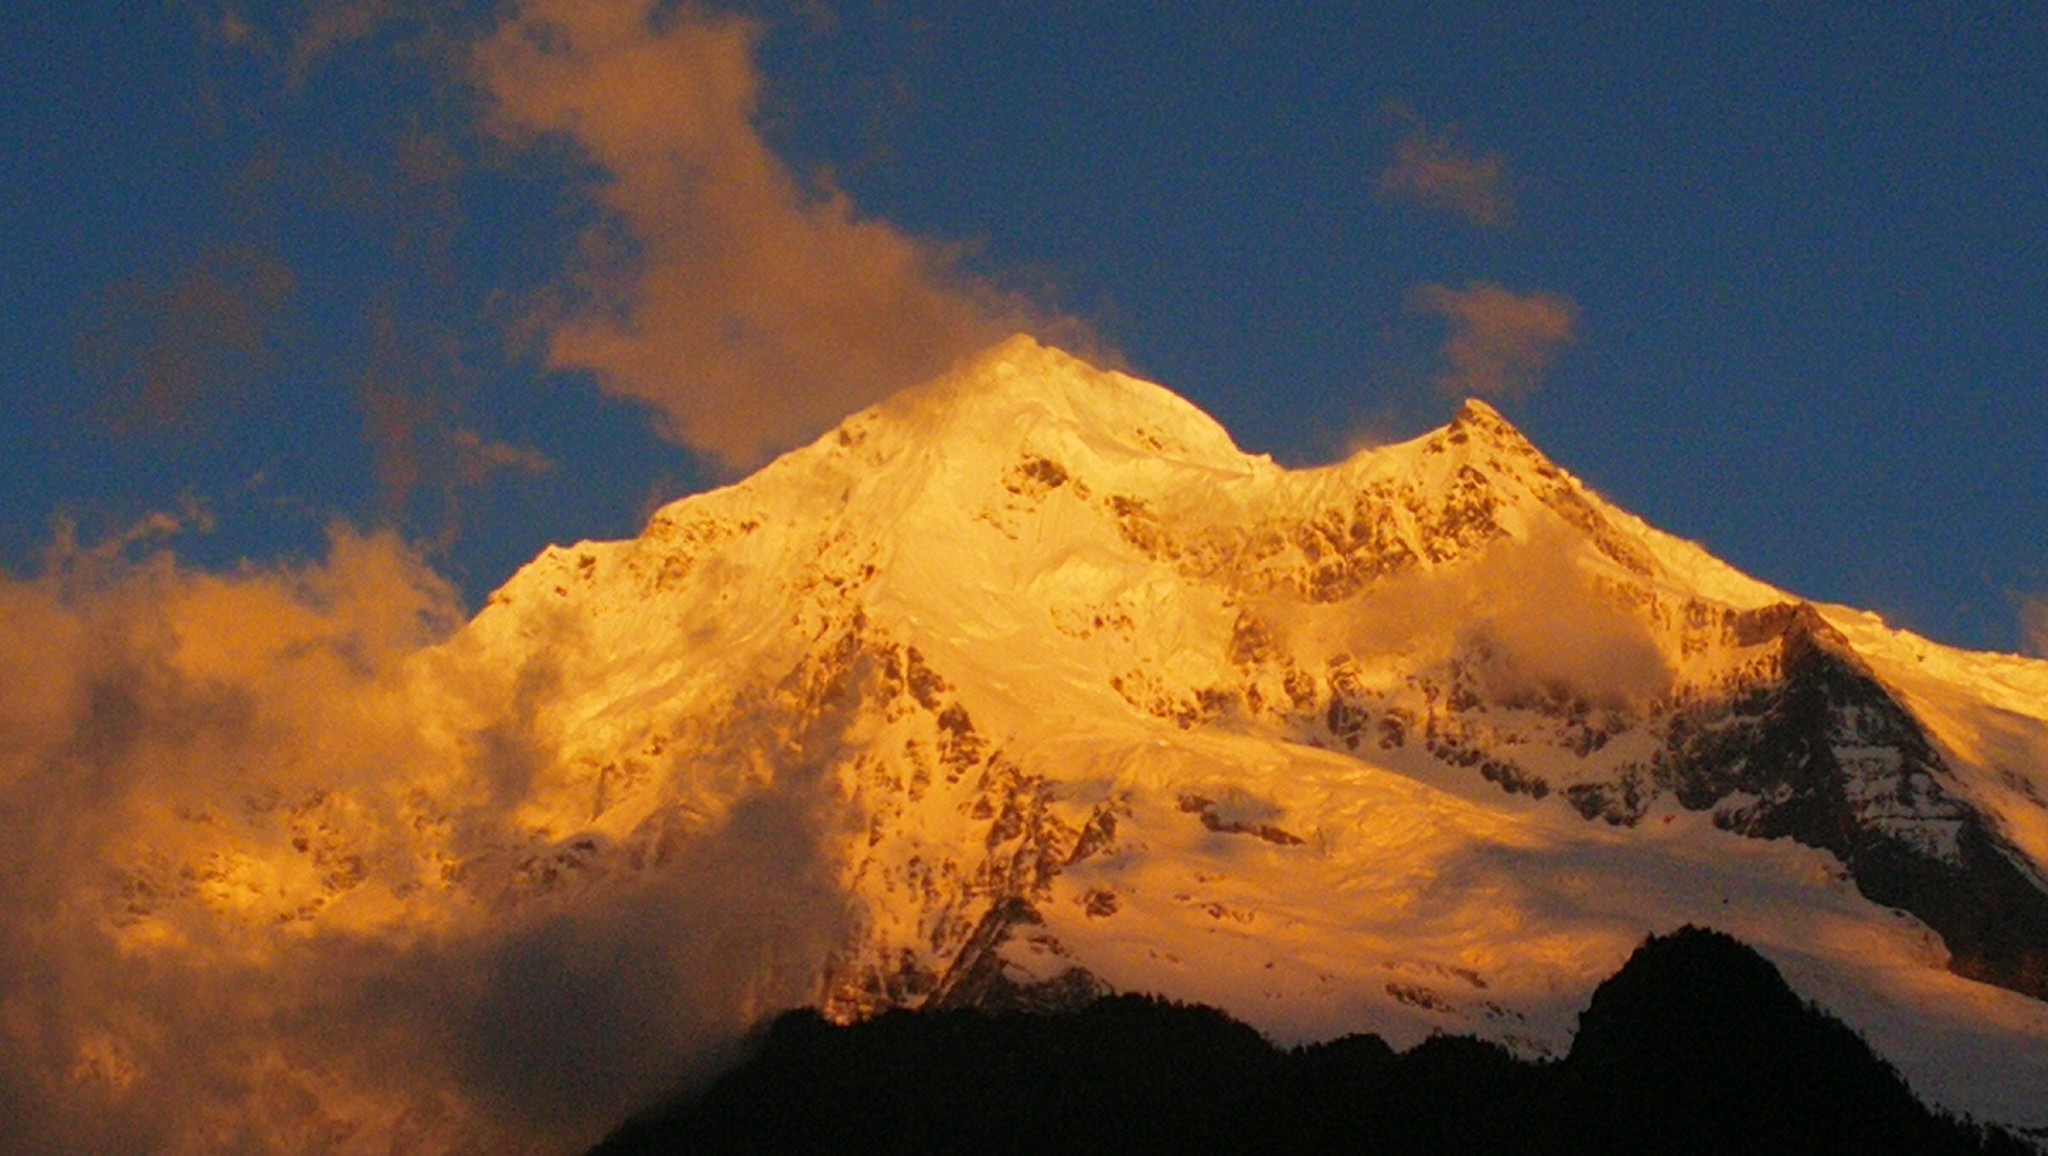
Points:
[[1037, 687]]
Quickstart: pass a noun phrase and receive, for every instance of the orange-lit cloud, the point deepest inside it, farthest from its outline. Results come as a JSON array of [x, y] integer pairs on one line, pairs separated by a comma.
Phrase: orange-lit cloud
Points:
[[1438, 172], [267, 890], [143, 708], [1500, 342], [750, 309], [1535, 618]]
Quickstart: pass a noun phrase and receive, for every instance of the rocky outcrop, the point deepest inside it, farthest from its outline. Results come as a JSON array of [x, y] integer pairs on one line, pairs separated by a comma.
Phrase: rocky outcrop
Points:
[[1817, 750]]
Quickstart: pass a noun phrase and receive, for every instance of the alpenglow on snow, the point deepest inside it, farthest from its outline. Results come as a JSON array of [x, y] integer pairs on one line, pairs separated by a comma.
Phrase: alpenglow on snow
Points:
[[1027, 685]]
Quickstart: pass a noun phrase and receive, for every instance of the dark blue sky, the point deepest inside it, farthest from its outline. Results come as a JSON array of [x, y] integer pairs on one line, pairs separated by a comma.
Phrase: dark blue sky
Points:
[[1774, 277]]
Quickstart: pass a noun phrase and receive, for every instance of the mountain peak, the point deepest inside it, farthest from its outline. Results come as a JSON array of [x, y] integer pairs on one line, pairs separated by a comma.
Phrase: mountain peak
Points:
[[1479, 420], [1019, 351], [1019, 385], [1479, 411]]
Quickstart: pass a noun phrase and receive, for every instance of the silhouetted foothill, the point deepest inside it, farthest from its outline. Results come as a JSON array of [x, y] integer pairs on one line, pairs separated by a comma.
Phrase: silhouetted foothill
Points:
[[1126, 1073], [1696, 1046]]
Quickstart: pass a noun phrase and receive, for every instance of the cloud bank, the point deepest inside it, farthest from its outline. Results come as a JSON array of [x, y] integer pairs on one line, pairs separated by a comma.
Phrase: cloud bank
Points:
[[1500, 343], [268, 886], [749, 308]]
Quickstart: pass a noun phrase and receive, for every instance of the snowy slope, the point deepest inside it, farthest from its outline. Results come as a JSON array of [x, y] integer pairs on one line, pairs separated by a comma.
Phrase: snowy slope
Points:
[[1100, 693], [1074, 694]]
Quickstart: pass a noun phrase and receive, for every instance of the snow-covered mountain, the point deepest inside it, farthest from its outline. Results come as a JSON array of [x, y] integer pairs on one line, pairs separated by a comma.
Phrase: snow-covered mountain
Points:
[[1074, 695], [1424, 740]]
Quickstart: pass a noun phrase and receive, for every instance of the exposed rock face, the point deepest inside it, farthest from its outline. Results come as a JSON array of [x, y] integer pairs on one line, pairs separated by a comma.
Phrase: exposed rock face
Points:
[[1825, 755], [1811, 746]]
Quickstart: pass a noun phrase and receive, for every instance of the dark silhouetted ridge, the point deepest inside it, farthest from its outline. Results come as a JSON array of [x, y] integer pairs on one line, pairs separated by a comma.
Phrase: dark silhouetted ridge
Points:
[[1696, 1046]]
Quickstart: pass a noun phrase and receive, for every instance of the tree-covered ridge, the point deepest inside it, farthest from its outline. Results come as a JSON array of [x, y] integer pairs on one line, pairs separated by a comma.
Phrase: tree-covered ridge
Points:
[[1696, 1046]]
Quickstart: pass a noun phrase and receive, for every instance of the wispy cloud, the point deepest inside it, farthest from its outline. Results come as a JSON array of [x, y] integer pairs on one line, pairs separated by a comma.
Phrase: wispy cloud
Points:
[[1500, 342], [1527, 614], [749, 307], [427, 462], [299, 37], [2034, 626], [166, 351], [332, 24], [1439, 172], [429, 329]]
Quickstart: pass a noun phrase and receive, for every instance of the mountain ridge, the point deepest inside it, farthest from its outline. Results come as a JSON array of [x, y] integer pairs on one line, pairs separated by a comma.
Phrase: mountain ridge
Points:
[[1199, 580], [1028, 685]]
